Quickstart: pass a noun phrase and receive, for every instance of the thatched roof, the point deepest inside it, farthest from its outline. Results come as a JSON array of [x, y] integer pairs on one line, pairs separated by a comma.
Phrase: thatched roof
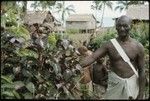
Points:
[[140, 12], [80, 17], [57, 22], [35, 17]]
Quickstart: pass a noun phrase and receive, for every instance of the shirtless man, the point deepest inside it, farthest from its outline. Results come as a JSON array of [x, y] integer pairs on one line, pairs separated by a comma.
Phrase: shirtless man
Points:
[[121, 74]]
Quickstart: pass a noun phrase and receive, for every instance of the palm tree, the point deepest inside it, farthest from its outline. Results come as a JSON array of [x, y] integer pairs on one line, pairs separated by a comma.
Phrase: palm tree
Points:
[[24, 8], [35, 5], [61, 8], [43, 4], [47, 4], [104, 4], [123, 5], [96, 7]]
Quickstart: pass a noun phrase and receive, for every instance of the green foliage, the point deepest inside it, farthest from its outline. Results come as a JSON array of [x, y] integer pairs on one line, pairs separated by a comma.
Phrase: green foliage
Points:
[[37, 72], [140, 32], [72, 31], [11, 21], [23, 52], [43, 4], [52, 39], [8, 88], [19, 31], [99, 40]]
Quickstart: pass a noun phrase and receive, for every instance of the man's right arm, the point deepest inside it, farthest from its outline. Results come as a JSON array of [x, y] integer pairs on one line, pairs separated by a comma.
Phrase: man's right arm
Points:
[[98, 53]]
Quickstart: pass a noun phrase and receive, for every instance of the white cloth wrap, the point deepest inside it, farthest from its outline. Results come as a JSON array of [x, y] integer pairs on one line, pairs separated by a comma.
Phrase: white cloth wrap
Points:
[[121, 88]]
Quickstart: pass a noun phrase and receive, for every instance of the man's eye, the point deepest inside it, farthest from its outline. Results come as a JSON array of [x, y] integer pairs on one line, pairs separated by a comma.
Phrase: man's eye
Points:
[[118, 25], [125, 26]]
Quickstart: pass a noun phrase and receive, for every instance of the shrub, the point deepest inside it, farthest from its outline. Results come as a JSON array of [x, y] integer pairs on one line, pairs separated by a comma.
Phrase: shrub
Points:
[[141, 33], [72, 31], [47, 73], [99, 40]]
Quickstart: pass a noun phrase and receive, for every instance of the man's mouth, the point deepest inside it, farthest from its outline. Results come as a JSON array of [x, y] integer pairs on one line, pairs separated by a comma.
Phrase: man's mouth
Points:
[[122, 32]]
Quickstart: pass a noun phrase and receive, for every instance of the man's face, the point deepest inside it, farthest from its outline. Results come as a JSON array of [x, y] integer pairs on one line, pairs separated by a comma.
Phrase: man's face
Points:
[[123, 27]]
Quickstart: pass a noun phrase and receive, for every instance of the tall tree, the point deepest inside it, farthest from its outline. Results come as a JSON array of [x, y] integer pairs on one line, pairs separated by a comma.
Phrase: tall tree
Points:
[[43, 4], [96, 7], [123, 5], [103, 5], [24, 7], [63, 10], [35, 5]]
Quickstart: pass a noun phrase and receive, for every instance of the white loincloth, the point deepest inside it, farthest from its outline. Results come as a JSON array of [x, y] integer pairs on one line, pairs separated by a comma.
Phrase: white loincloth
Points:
[[121, 88]]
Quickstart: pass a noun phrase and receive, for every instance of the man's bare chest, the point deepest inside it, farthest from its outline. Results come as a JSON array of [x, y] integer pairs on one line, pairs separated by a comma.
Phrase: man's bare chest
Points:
[[130, 50]]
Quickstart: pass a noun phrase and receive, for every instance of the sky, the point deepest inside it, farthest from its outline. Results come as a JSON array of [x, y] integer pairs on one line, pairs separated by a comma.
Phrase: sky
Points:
[[84, 7]]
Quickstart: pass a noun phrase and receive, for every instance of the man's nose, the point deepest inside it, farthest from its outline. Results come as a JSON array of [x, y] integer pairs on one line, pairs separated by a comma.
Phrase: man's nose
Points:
[[121, 28]]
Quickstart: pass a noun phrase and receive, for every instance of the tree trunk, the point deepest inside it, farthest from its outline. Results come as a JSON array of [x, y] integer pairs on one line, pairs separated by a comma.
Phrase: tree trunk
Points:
[[102, 15], [63, 14], [24, 8]]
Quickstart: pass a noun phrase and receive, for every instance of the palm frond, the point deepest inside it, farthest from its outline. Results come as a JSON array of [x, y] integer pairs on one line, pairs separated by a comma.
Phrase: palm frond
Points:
[[121, 8], [92, 7], [117, 7], [70, 6], [69, 9], [109, 4]]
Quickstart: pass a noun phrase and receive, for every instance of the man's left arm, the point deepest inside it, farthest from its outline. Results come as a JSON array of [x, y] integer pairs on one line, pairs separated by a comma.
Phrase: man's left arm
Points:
[[141, 71]]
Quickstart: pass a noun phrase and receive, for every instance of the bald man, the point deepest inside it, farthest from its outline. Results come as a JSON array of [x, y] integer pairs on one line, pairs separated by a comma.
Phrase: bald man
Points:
[[122, 81]]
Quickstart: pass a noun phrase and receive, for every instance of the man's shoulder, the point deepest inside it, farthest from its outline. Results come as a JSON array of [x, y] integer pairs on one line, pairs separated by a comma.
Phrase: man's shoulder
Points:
[[138, 44]]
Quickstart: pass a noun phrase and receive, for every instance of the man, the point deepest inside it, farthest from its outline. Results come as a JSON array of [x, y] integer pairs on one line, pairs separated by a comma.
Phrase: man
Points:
[[122, 82]]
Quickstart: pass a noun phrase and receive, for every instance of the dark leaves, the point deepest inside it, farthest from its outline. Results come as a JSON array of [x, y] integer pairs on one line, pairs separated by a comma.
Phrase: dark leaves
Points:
[[34, 76]]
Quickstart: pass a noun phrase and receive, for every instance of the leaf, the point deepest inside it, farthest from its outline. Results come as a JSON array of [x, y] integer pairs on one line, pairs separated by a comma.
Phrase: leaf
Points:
[[16, 95], [40, 79], [7, 93], [28, 96], [6, 78], [67, 74], [67, 92], [27, 52], [18, 84], [11, 86], [56, 67], [30, 86], [27, 73]]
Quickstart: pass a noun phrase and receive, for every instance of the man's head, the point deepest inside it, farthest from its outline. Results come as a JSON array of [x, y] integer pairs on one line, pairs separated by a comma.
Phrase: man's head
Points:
[[123, 26]]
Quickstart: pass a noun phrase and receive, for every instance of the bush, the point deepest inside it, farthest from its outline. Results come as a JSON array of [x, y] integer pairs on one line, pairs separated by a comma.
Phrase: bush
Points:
[[141, 33], [34, 72], [72, 31], [52, 39], [99, 40]]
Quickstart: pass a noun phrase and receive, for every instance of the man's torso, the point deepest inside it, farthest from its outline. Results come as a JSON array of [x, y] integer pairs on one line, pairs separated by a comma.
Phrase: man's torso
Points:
[[118, 65]]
